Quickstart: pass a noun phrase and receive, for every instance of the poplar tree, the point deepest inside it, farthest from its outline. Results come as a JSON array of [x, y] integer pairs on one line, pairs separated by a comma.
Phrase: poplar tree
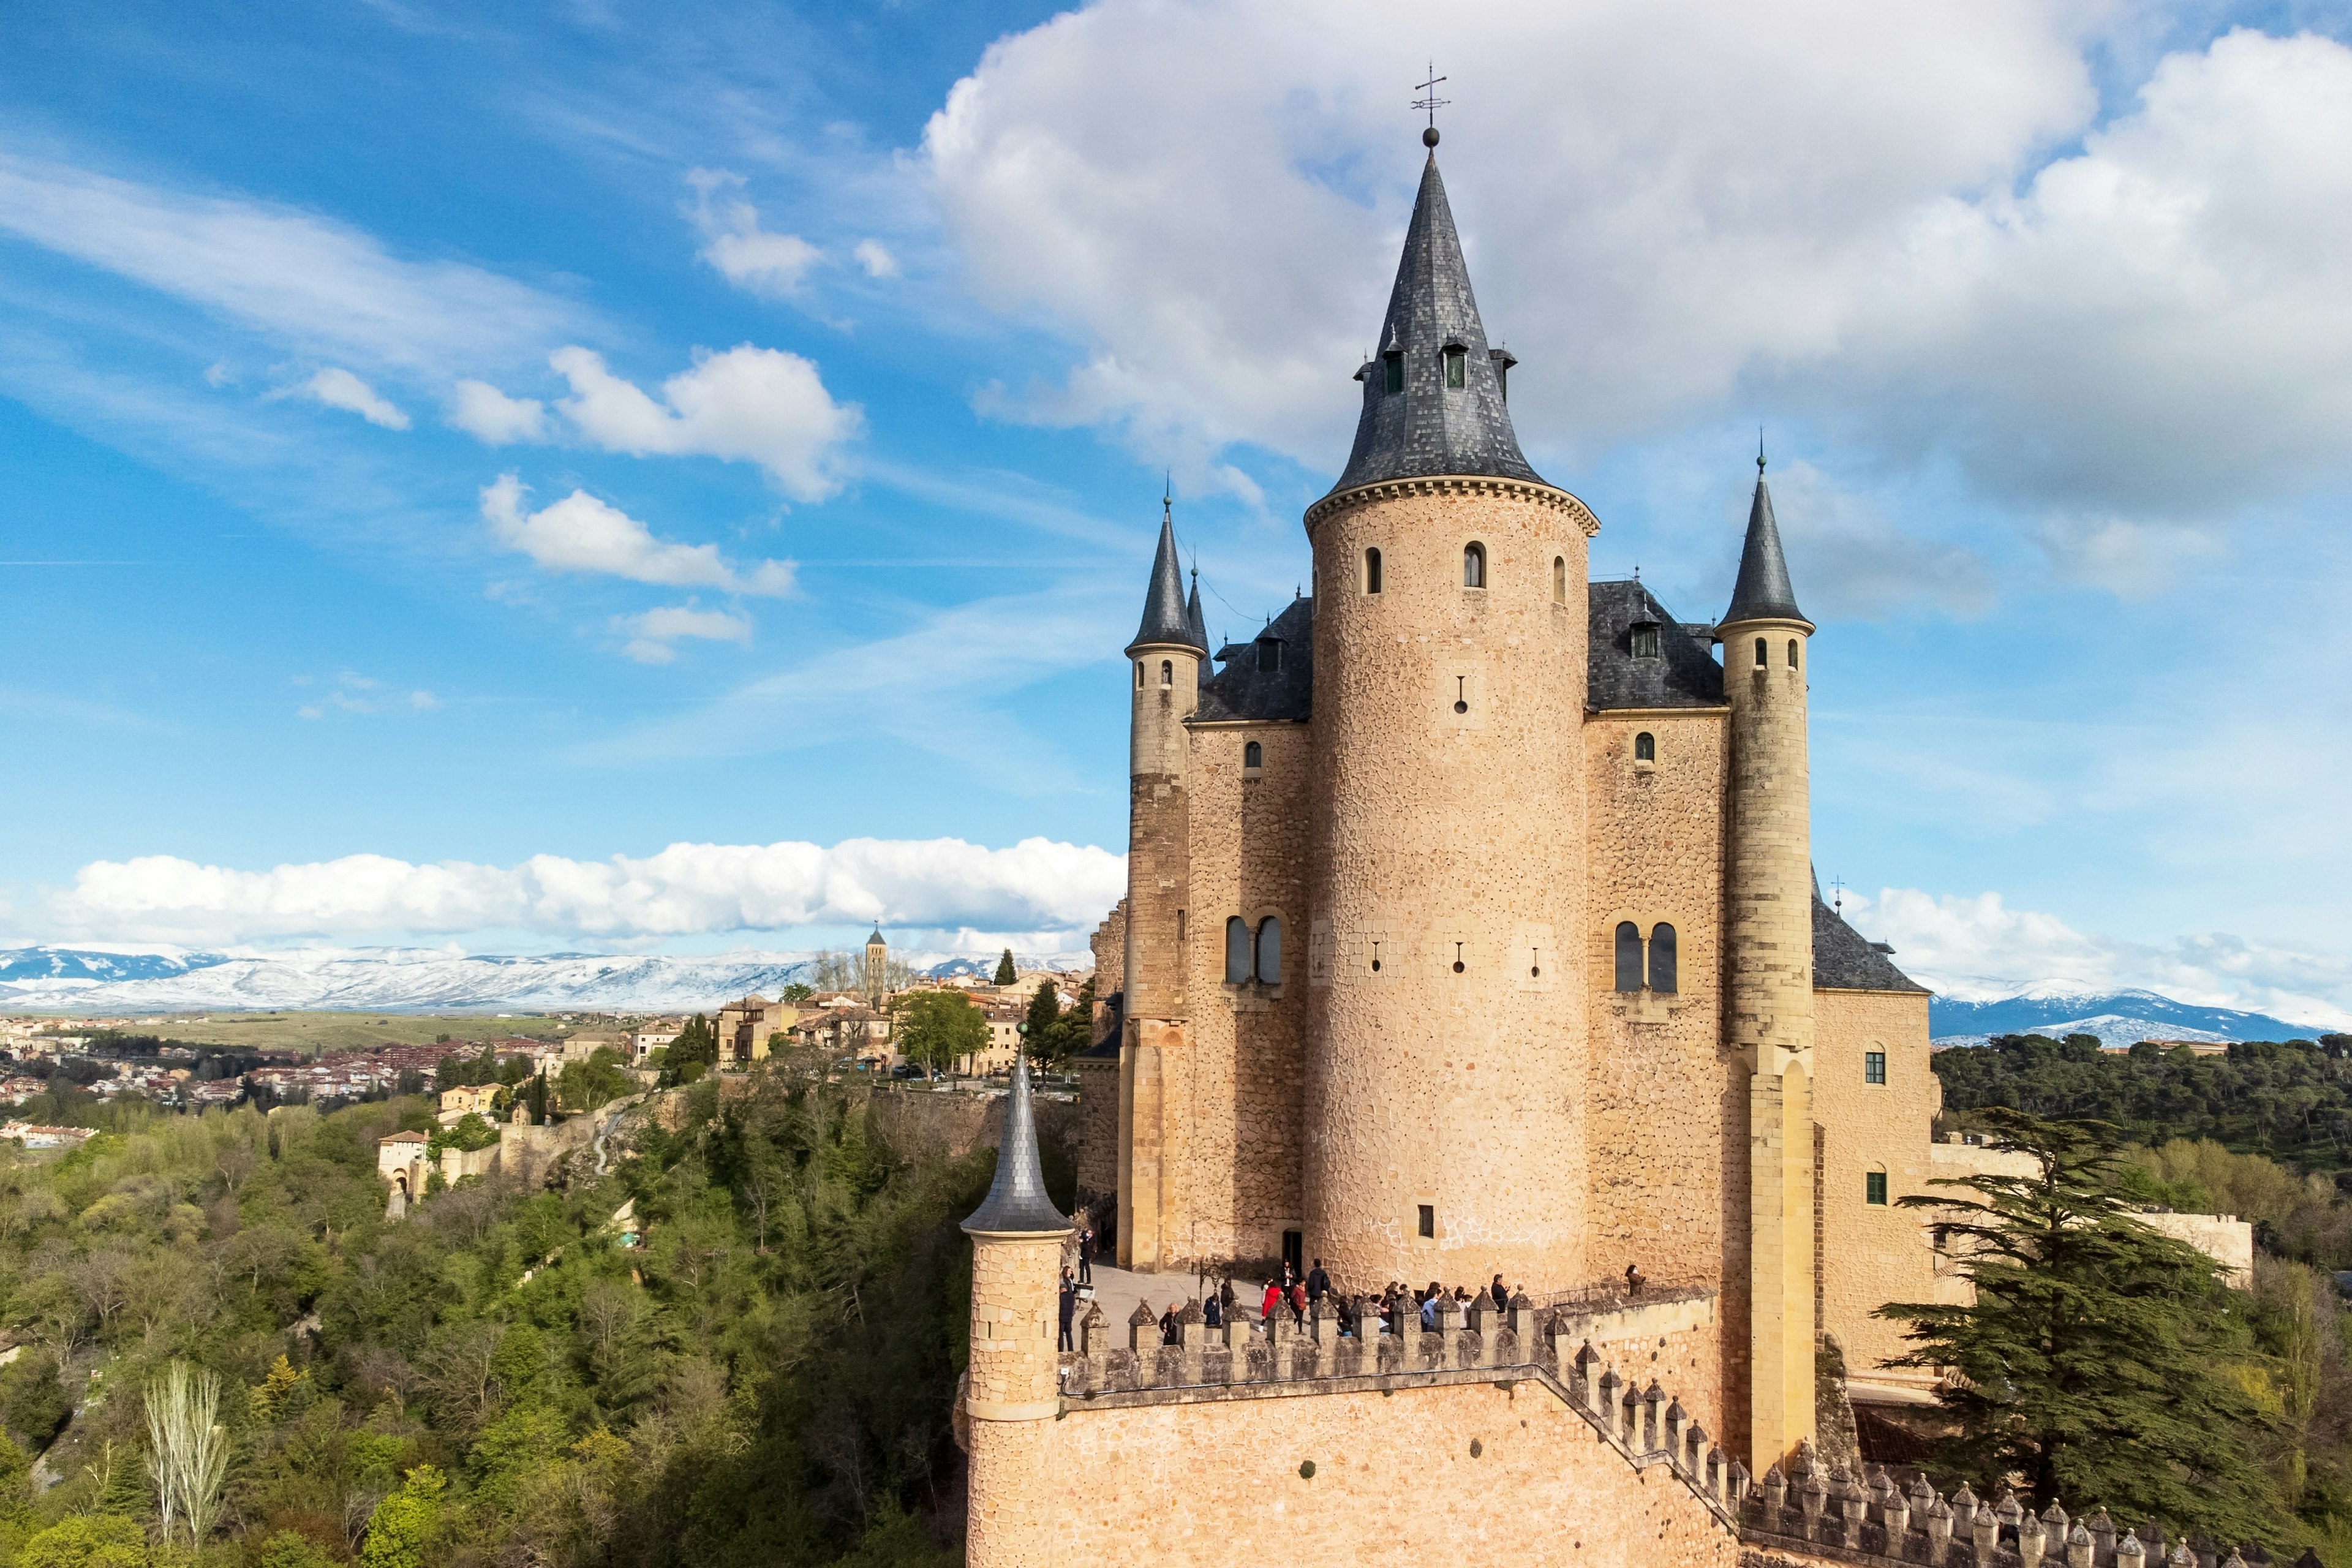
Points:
[[2097, 1360], [1004, 968]]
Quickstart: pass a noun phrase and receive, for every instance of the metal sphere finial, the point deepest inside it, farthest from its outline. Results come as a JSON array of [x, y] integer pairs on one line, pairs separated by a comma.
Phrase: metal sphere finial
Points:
[[1428, 137]]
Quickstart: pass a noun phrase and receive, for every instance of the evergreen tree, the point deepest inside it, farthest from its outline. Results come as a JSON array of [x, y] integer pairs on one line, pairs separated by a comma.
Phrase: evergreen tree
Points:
[[2096, 1360], [1004, 968], [1045, 1012]]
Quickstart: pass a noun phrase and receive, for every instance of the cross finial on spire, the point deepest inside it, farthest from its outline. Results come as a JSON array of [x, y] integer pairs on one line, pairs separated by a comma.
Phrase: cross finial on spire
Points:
[[1430, 101]]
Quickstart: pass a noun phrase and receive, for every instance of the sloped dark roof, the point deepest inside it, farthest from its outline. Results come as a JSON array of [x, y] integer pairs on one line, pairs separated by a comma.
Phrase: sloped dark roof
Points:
[[1684, 674], [1114, 1015], [1016, 1201], [1164, 620], [1241, 690], [1763, 592], [1193, 620], [1424, 429], [1844, 960]]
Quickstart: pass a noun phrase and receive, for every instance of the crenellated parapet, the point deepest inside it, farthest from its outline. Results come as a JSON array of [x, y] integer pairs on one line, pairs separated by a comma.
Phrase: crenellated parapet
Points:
[[1814, 1515]]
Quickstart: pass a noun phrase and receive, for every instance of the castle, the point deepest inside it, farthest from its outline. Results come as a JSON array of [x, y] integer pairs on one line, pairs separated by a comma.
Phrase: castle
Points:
[[1471, 930]]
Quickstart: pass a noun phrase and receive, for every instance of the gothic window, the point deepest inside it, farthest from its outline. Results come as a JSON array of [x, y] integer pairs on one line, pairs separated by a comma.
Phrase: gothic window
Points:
[[1874, 1066], [1792, 653], [1761, 660], [1253, 755], [1874, 1187], [1269, 655], [1662, 959], [1166, 672], [1391, 373], [1559, 579], [1371, 571], [1646, 639], [1237, 951], [1458, 361], [1645, 747], [1629, 956], [1473, 566], [1269, 951]]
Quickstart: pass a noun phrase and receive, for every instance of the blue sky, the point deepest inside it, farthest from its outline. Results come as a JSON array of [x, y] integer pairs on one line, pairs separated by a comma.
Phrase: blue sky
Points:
[[440, 456]]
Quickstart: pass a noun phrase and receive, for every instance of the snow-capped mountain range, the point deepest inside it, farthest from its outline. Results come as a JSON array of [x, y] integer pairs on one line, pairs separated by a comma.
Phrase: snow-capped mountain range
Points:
[[2117, 1018], [432, 980]]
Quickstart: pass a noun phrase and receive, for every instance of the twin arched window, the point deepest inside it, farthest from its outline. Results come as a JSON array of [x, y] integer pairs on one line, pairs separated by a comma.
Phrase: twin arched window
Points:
[[1473, 566], [1661, 976], [1254, 955]]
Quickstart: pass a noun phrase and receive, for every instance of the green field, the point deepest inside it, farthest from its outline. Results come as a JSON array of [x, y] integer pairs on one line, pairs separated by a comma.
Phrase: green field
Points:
[[317, 1032]]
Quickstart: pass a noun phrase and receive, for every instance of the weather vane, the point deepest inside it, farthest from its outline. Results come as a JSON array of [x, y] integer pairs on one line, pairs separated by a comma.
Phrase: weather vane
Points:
[[1432, 103]]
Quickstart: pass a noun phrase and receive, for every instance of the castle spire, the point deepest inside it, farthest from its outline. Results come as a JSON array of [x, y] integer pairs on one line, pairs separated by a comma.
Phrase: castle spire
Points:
[[1763, 592], [1433, 392], [1194, 619], [1016, 1202], [1164, 620]]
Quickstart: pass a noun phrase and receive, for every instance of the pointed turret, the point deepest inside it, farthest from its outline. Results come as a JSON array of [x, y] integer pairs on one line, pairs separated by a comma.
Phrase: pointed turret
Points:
[[1018, 1203], [1164, 621], [1434, 393], [1196, 621], [1763, 592]]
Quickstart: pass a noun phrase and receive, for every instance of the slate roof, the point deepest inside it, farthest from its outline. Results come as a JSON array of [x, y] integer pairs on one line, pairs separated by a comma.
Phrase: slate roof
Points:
[[1241, 690], [1763, 592], [1016, 1201], [1194, 619], [1424, 429], [1684, 674], [1164, 620], [1845, 960], [1114, 1017]]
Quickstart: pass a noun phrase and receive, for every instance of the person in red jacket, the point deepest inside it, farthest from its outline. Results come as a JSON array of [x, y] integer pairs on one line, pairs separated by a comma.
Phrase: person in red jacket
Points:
[[1265, 1308]]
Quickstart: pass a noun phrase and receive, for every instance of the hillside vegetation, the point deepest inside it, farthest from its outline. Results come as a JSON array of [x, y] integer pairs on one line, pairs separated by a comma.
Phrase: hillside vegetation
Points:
[[498, 1379]]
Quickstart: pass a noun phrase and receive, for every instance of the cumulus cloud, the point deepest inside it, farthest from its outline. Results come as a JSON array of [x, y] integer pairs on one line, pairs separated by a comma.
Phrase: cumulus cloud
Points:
[[1978, 948], [876, 257], [747, 404], [495, 419], [651, 634], [1845, 212], [303, 278], [685, 890], [338, 388], [581, 533], [746, 255]]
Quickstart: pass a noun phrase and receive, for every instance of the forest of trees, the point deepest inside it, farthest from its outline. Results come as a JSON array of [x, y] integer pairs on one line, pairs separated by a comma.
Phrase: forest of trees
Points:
[[765, 1378]]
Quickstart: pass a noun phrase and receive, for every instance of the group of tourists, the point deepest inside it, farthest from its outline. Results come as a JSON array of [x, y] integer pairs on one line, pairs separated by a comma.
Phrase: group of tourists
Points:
[[1395, 1309]]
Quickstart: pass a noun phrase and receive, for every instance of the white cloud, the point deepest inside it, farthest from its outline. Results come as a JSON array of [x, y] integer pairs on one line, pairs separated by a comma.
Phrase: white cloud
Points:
[[338, 388], [1842, 211], [684, 889], [581, 534], [1978, 948], [306, 279], [359, 696], [747, 404], [745, 254], [876, 257], [650, 635], [492, 418]]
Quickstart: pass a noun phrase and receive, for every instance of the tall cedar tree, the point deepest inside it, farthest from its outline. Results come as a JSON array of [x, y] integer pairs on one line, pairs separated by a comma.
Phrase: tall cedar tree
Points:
[[1045, 1012], [2096, 1359], [1004, 968]]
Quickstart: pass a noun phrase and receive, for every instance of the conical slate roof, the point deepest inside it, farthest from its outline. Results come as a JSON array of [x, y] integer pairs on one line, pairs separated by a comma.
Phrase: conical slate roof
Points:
[[1425, 428], [1164, 620], [1763, 592], [1017, 1202], [1193, 620]]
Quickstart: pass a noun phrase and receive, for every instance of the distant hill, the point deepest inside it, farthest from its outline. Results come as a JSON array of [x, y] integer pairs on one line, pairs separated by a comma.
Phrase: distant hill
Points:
[[416, 980], [2117, 1018]]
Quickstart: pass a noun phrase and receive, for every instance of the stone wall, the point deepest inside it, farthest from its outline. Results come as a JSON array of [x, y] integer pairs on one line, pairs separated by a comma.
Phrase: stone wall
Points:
[[915, 1123]]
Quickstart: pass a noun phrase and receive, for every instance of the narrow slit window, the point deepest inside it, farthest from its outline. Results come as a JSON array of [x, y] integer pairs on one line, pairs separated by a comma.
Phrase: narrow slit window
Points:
[[1629, 956], [1391, 373], [1457, 372], [1371, 571], [1662, 977], [1761, 658], [1645, 747], [1559, 579], [1166, 672], [1253, 755], [1180, 928], [1269, 951], [1874, 1066], [1429, 1221], [1792, 653], [1473, 566], [1874, 1187], [1237, 951], [1139, 675]]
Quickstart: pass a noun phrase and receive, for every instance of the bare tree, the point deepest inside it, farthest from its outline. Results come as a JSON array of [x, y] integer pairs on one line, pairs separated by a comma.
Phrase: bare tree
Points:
[[187, 1450]]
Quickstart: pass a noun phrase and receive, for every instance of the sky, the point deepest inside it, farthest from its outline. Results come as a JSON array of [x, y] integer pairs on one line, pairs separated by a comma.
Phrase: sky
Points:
[[602, 475]]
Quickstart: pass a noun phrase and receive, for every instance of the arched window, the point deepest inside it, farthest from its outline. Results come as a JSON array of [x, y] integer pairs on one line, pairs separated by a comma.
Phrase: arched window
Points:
[[1473, 566], [1253, 755], [1391, 373], [1458, 361], [1629, 956], [1371, 571], [1559, 579], [1662, 959], [1645, 747], [1269, 951], [1237, 951], [1166, 672], [1761, 660], [1792, 653]]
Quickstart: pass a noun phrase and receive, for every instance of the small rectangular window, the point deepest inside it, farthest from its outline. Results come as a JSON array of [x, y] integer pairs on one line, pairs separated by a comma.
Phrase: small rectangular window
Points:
[[1269, 655], [1456, 371], [1391, 373], [1874, 1187], [1874, 1066], [1645, 641], [1429, 1221]]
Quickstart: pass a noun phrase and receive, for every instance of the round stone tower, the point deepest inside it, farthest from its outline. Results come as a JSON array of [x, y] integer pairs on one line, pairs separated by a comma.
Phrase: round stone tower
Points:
[[1445, 1035]]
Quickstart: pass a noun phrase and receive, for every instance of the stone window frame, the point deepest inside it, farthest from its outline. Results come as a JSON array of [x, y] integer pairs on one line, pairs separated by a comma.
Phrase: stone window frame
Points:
[[1874, 1189], [1474, 549], [1645, 1005], [1252, 759], [1370, 582], [1873, 1066], [1645, 764], [1252, 994]]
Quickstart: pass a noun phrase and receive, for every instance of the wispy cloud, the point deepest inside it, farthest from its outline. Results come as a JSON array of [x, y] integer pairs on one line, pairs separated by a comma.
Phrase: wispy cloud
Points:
[[746, 255], [581, 533], [354, 695], [652, 634], [338, 388]]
